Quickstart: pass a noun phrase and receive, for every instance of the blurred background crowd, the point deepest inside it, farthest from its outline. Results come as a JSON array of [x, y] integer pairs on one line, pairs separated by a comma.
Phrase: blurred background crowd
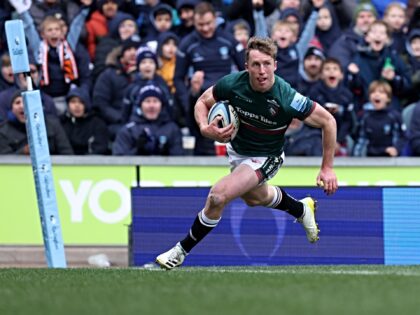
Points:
[[121, 77]]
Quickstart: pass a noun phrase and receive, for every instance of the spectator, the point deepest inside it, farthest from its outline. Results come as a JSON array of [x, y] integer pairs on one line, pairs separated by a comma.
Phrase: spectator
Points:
[[21, 84], [396, 19], [310, 73], [65, 63], [240, 30], [97, 26], [147, 65], [108, 94], [331, 93], [381, 5], [86, 132], [382, 132], [378, 61], [161, 21], [412, 60], [121, 27], [13, 137], [277, 13], [302, 140], [345, 47], [167, 48], [290, 53], [327, 26], [185, 10], [152, 132], [414, 130], [7, 78], [252, 11], [209, 53]]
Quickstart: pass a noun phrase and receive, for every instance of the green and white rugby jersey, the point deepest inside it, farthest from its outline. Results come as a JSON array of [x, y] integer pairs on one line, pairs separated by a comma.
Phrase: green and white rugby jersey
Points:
[[264, 116]]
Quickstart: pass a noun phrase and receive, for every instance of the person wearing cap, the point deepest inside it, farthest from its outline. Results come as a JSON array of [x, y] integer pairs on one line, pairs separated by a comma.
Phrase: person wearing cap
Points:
[[121, 27], [147, 65], [152, 132], [310, 72], [345, 47], [13, 137], [109, 89], [86, 132], [185, 10]]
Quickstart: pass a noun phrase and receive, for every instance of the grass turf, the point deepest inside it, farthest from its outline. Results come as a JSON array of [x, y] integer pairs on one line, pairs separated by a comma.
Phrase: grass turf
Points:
[[337, 290]]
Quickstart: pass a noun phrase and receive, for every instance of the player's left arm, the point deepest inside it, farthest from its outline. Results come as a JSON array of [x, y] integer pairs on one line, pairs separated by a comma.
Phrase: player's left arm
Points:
[[321, 118]]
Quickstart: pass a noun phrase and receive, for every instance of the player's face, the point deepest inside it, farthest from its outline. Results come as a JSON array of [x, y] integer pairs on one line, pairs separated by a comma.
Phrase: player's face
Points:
[[52, 33], [379, 98], [364, 20], [395, 18], [324, 21], [151, 107], [377, 37], [18, 110], [76, 107], [163, 22], [126, 29], [205, 24], [261, 69], [147, 68], [169, 49]]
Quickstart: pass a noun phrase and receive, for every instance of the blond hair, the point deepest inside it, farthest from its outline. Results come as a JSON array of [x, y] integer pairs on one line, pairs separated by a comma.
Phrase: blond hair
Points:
[[382, 86]]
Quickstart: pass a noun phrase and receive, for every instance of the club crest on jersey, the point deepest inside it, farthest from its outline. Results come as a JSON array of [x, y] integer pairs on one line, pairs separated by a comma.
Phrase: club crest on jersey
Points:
[[224, 51], [273, 107]]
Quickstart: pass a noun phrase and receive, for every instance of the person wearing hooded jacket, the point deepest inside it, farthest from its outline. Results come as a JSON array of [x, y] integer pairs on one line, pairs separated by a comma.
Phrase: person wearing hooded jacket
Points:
[[86, 132], [151, 131], [13, 137]]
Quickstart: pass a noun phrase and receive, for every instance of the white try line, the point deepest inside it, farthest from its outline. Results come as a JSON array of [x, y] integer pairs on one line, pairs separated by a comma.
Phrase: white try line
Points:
[[288, 270]]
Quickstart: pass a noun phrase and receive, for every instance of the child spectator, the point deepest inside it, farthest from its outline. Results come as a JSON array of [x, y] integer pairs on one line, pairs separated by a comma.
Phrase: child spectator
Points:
[[13, 137], [395, 18], [152, 132], [86, 132], [167, 47], [7, 78], [108, 93], [161, 21], [378, 61], [331, 93], [290, 54], [240, 30], [382, 132]]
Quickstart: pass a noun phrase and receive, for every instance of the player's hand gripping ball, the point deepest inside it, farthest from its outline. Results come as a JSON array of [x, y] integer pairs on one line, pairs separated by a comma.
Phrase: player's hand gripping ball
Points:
[[228, 114]]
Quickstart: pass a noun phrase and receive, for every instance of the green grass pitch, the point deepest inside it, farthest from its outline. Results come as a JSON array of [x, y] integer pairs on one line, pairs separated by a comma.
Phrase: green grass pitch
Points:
[[335, 290]]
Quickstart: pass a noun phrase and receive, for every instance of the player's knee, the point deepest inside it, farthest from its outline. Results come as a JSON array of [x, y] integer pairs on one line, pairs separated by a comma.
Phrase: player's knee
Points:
[[252, 202], [217, 199]]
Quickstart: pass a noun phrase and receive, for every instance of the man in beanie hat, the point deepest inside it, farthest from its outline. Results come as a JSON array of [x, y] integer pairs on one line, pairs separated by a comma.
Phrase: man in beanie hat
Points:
[[310, 73], [345, 47], [152, 132], [108, 92]]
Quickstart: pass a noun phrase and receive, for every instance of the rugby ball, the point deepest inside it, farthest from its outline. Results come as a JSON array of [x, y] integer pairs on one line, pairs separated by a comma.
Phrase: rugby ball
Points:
[[228, 114]]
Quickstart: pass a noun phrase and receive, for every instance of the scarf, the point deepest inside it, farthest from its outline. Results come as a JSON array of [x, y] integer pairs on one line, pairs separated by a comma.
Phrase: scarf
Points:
[[67, 62]]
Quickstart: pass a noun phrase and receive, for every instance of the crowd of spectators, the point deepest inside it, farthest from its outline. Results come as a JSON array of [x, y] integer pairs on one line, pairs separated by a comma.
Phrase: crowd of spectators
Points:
[[121, 77]]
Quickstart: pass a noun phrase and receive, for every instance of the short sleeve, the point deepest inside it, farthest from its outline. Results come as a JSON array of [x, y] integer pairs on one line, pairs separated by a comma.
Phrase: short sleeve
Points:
[[221, 90]]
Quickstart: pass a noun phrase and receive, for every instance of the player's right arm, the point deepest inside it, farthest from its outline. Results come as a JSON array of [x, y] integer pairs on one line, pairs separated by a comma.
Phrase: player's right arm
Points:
[[201, 111]]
